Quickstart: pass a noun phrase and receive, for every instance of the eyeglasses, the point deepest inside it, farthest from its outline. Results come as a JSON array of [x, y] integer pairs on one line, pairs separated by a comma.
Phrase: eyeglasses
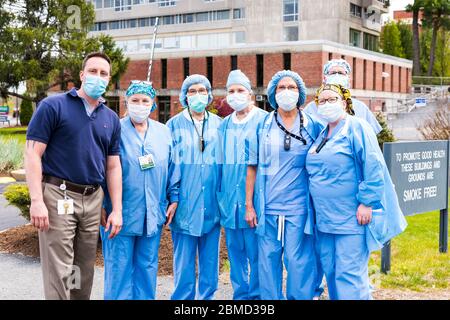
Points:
[[149, 83], [330, 100], [200, 91], [291, 87], [337, 72]]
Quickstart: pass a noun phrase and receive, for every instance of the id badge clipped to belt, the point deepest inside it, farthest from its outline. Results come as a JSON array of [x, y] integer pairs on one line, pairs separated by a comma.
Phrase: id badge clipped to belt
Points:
[[146, 162], [65, 206]]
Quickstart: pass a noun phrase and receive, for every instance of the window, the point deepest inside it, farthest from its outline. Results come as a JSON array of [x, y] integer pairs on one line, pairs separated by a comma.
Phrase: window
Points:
[[287, 61], [201, 16], [355, 10], [370, 42], [132, 23], [144, 44], [166, 3], [98, 4], [121, 5], [290, 34], [209, 69], [239, 37], [168, 20], [186, 67], [113, 25], [186, 42], [108, 3], [223, 15], [144, 22], [239, 13], [163, 73], [188, 18], [290, 10], [234, 62], [163, 108], [355, 38], [259, 70], [171, 43]]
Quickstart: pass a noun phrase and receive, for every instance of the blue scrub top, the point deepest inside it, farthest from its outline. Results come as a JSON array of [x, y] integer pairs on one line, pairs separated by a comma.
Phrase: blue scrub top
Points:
[[197, 174], [145, 192], [334, 183], [238, 141], [286, 183], [361, 111]]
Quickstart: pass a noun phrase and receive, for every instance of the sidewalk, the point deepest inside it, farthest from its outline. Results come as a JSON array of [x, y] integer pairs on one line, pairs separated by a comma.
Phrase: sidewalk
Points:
[[21, 279]]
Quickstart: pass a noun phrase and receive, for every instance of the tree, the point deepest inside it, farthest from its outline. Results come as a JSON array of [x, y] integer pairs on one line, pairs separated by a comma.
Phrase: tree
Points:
[[437, 16], [44, 42], [386, 134], [415, 9], [406, 38], [442, 63], [26, 111], [390, 40]]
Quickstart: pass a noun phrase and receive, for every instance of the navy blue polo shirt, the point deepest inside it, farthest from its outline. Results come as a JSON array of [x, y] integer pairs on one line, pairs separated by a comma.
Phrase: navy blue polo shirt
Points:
[[77, 144]]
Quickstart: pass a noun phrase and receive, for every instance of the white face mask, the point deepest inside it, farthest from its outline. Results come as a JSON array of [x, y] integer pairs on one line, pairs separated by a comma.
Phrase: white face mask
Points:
[[337, 78], [238, 101], [331, 112], [287, 99], [139, 113]]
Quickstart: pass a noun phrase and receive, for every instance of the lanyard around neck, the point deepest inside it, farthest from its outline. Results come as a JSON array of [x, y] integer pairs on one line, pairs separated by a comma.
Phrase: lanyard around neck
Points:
[[288, 135], [201, 139]]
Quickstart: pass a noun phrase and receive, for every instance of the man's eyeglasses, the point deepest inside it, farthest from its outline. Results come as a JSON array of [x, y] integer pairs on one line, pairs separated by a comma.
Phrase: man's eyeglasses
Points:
[[200, 91], [330, 100], [282, 87]]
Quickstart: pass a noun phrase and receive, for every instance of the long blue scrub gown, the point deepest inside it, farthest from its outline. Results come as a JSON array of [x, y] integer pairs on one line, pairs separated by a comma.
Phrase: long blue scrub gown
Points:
[[196, 227]]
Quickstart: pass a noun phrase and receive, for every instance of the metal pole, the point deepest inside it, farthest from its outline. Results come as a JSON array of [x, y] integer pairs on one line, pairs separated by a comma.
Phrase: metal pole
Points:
[[155, 30], [386, 258], [443, 220]]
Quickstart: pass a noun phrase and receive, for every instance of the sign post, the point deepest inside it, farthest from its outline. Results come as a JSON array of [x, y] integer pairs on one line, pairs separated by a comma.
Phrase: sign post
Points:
[[420, 173]]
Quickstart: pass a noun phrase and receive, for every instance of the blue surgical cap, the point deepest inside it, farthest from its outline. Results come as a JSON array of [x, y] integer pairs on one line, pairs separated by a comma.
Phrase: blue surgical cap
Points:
[[272, 87], [142, 88], [336, 63], [238, 77], [191, 80]]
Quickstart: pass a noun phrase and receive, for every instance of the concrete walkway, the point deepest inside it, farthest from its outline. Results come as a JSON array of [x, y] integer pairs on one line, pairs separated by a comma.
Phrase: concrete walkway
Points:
[[21, 279]]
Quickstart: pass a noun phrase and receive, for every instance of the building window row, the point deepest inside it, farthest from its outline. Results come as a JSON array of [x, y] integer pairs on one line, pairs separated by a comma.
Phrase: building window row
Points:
[[170, 19]]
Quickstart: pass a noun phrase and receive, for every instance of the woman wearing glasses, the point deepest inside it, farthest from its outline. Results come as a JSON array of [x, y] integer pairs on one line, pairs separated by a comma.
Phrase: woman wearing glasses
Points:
[[277, 199], [131, 258], [354, 199], [196, 228]]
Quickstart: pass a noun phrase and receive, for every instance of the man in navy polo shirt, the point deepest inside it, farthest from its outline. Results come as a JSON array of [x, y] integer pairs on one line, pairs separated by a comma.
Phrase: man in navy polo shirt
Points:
[[72, 153]]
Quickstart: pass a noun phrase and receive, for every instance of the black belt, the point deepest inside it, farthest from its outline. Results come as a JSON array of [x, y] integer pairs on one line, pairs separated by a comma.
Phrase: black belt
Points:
[[85, 190]]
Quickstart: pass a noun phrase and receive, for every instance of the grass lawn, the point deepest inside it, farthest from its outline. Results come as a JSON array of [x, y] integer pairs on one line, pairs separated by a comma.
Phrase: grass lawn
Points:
[[416, 263], [18, 133]]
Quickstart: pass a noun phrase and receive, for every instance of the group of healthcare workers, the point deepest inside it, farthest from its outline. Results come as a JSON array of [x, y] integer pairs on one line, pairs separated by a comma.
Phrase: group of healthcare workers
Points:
[[304, 187]]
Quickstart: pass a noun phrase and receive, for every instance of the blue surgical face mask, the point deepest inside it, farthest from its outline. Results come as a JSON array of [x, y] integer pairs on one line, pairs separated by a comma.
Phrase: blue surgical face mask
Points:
[[198, 102], [337, 78], [94, 86]]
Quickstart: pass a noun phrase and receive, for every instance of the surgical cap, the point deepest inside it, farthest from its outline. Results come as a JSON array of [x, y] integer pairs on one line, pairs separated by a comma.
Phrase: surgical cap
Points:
[[191, 80], [238, 77], [142, 88], [272, 87], [336, 63]]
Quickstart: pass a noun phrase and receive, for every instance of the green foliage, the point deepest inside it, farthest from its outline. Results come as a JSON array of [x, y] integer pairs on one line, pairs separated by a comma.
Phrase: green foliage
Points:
[[11, 154], [26, 111], [386, 134], [18, 195], [406, 38], [44, 43], [390, 40]]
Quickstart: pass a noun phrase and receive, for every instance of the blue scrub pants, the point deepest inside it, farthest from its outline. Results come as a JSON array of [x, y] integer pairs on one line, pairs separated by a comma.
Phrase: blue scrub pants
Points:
[[345, 259], [131, 266], [243, 252], [320, 274], [299, 260], [185, 248]]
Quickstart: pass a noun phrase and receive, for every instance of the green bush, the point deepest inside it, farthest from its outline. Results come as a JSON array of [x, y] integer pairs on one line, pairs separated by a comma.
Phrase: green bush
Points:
[[385, 134], [26, 111], [17, 195], [11, 154]]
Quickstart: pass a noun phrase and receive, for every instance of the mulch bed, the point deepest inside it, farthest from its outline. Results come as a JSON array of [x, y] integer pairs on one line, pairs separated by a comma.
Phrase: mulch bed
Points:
[[24, 240]]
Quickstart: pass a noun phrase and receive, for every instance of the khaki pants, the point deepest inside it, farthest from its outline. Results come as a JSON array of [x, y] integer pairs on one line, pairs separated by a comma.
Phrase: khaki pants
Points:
[[68, 248]]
